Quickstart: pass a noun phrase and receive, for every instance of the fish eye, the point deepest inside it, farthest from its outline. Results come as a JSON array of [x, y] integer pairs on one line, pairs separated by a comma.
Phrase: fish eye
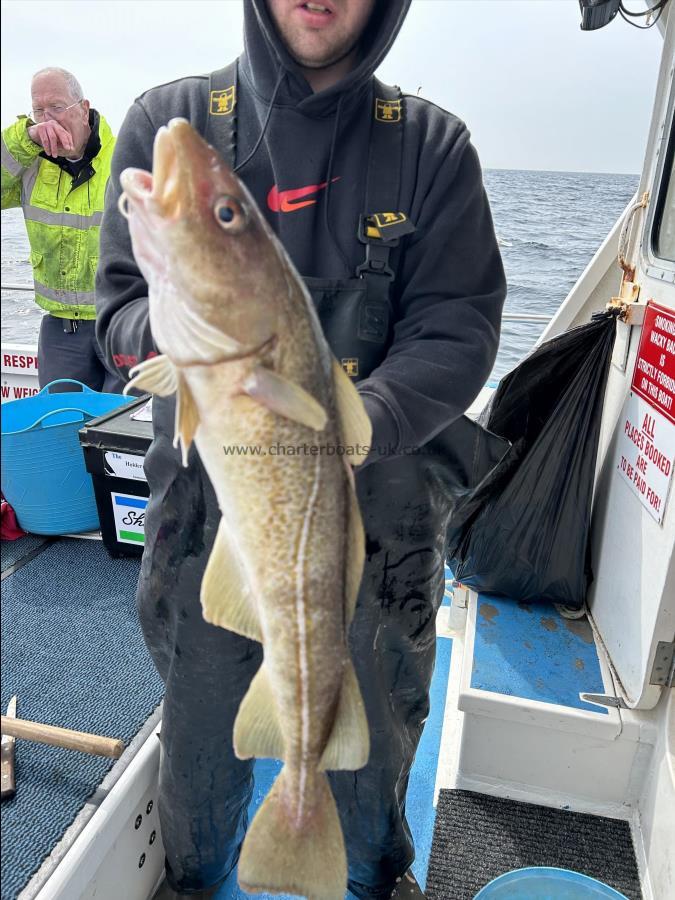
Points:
[[230, 215]]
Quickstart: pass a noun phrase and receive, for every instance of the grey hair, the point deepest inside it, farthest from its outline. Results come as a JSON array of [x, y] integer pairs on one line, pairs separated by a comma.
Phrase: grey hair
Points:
[[73, 85]]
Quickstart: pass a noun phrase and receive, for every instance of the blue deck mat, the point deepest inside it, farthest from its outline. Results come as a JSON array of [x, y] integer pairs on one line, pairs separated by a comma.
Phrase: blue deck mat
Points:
[[73, 653], [13, 551], [420, 801], [533, 652]]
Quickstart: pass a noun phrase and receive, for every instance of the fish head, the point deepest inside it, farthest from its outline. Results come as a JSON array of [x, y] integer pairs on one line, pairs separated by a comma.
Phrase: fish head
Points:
[[212, 264]]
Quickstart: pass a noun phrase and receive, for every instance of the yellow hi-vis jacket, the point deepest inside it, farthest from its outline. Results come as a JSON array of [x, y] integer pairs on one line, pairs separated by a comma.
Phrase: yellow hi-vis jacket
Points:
[[63, 223]]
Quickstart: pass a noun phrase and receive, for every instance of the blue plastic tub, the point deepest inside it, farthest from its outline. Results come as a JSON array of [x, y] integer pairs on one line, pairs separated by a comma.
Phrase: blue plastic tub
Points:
[[544, 883], [43, 473]]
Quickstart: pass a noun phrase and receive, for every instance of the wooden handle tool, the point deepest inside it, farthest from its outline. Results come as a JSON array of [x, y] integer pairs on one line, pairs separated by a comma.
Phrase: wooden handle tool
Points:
[[7, 757], [62, 737]]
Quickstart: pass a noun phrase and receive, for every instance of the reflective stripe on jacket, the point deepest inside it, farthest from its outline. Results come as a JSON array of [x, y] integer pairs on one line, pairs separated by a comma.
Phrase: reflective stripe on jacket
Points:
[[63, 223]]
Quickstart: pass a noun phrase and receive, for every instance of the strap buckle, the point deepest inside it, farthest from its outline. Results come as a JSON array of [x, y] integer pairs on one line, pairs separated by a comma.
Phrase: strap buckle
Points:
[[377, 253]]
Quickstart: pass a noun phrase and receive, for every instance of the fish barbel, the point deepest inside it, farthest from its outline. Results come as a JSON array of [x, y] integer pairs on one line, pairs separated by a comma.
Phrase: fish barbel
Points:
[[263, 399]]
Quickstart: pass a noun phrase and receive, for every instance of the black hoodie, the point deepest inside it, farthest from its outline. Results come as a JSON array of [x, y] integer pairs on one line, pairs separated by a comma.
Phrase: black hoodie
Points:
[[450, 285]]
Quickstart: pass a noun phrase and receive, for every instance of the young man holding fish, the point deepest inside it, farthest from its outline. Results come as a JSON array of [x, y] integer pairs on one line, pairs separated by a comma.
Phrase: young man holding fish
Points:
[[378, 200]]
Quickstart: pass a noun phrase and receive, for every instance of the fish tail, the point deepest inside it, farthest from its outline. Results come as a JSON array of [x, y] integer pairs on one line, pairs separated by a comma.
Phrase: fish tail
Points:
[[283, 855]]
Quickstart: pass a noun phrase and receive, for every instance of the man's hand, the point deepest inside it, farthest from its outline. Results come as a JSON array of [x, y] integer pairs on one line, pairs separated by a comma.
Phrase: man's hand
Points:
[[52, 137]]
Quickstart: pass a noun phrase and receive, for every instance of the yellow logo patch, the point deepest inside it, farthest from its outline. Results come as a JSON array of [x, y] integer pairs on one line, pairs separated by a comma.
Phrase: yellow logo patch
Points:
[[222, 102], [383, 220], [351, 366], [388, 110]]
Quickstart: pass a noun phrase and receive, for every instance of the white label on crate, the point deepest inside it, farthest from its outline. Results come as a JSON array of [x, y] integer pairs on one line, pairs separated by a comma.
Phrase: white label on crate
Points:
[[124, 465], [129, 512]]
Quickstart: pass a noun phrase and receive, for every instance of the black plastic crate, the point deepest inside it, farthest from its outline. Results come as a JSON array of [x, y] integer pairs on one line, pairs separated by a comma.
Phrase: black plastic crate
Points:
[[114, 447]]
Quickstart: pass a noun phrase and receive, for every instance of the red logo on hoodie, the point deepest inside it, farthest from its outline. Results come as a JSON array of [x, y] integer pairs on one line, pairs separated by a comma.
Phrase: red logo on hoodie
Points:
[[287, 201]]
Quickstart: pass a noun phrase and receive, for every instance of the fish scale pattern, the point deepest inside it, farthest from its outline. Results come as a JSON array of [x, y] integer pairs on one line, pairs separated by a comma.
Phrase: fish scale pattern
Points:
[[73, 653]]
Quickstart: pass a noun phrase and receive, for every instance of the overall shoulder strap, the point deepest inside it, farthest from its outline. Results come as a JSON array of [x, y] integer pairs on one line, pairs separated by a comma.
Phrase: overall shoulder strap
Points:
[[220, 129], [383, 223]]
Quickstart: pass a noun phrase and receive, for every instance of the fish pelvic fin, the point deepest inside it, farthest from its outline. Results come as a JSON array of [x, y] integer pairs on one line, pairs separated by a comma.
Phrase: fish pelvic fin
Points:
[[349, 744], [187, 418], [256, 728], [285, 398], [306, 859], [156, 375], [226, 597], [354, 423]]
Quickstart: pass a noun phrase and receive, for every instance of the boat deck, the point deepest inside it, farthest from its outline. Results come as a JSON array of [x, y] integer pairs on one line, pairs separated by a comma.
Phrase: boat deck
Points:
[[78, 660], [74, 656]]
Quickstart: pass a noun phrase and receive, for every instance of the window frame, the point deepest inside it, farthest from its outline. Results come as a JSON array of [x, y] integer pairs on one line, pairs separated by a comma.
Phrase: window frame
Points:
[[657, 266]]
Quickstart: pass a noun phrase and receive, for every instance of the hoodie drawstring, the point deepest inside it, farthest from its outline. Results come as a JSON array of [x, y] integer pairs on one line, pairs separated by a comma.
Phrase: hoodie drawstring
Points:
[[282, 75], [329, 174]]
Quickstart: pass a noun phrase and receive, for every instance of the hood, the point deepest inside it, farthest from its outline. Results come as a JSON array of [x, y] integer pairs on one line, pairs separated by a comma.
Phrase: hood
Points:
[[265, 57]]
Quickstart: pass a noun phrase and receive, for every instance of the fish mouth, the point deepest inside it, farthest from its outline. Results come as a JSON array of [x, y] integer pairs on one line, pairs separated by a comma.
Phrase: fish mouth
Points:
[[154, 195]]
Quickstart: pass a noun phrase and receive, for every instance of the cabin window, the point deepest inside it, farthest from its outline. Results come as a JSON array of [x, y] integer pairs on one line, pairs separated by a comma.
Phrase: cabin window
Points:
[[664, 220]]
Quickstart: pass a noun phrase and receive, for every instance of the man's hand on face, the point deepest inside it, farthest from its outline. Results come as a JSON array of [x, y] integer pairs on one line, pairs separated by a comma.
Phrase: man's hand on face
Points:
[[52, 137]]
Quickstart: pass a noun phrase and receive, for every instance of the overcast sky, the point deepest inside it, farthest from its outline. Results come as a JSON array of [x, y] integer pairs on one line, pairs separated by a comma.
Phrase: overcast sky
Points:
[[536, 92]]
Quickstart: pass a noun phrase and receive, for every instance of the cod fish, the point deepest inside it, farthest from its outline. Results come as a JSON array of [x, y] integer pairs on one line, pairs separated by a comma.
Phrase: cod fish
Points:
[[274, 417]]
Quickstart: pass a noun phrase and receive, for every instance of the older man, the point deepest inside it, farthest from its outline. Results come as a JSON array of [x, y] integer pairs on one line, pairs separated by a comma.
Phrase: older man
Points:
[[55, 166]]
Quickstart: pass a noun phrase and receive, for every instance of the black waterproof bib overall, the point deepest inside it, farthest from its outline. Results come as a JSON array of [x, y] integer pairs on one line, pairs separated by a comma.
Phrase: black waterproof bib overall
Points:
[[405, 502]]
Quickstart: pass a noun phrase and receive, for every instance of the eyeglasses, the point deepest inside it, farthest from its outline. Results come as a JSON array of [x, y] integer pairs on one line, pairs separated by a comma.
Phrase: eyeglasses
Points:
[[55, 111]]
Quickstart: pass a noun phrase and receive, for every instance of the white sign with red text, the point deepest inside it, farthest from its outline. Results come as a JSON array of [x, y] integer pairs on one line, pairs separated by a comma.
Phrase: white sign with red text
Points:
[[644, 454], [646, 445], [19, 372]]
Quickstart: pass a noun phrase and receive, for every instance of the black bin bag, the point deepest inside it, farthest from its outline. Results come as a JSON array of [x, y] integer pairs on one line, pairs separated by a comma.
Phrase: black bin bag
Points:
[[524, 531]]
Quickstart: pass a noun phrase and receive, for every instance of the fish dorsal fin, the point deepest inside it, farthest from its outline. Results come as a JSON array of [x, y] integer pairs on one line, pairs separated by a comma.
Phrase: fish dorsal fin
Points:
[[226, 597], [256, 728], [355, 554], [354, 425], [156, 375], [187, 418], [349, 743], [285, 398]]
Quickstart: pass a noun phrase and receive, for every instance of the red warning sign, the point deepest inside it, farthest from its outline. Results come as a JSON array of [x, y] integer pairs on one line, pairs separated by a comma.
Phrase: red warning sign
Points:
[[654, 375]]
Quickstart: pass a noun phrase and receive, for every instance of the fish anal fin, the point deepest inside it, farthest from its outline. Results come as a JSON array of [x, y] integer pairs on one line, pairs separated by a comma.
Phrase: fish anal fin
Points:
[[225, 594], [285, 398], [156, 375], [256, 728], [349, 744], [354, 426]]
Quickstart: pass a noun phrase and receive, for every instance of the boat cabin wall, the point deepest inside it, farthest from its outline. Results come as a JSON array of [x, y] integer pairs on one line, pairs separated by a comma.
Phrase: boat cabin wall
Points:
[[632, 599]]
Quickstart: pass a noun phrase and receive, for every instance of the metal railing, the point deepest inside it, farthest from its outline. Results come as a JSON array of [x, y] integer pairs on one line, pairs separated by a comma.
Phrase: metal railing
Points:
[[506, 317]]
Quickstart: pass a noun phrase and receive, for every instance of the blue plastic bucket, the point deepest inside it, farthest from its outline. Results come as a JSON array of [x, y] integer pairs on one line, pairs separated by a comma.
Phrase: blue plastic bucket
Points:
[[544, 883], [43, 473]]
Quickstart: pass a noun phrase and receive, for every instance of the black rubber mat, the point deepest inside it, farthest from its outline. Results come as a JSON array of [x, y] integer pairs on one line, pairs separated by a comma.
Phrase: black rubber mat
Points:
[[476, 838]]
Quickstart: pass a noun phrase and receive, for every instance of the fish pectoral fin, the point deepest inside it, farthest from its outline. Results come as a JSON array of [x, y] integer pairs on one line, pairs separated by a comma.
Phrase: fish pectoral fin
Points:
[[285, 398], [256, 728], [355, 555], [156, 375], [225, 595], [187, 418], [349, 743], [354, 424]]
